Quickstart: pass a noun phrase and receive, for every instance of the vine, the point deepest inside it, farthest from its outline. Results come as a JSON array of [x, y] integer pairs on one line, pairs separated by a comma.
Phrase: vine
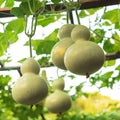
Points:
[[30, 31]]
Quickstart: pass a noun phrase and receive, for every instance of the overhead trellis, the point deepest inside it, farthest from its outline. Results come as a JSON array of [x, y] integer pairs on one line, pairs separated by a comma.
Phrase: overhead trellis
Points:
[[85, 4]]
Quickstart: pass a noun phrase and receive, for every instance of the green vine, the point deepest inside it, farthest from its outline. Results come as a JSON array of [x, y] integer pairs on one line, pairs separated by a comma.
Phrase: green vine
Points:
[[30, 33], [30, 29]]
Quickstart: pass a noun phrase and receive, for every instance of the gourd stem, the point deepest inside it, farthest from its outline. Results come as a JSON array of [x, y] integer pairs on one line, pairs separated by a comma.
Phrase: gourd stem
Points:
[[30, 45], [30, 7], [59, 115], [76, 11], [42, 116], [68, 15], [77, 15], [31, 29]]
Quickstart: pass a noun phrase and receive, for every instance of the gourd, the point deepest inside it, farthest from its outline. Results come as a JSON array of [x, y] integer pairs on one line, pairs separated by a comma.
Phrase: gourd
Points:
[[84, 58], [65, 31], [30, 65], [58, 51], [30, 88], [80, 32], [58, 101]]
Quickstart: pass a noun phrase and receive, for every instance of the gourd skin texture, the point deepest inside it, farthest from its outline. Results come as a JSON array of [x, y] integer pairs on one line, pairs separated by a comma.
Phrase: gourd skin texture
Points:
[[30, 65], [58, 51], [80, 32], [58, 84], [29, 89], [65, 31], [84, 57], [58, 102]]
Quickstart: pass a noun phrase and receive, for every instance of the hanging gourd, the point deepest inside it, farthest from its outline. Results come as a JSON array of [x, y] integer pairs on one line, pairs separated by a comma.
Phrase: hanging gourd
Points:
[[30, 88], [58, 101]]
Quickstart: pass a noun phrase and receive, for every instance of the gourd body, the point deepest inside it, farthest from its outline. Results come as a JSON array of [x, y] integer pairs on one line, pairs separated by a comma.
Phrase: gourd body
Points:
[[84, 57], [58, 52], [29, 89], [58, 102]]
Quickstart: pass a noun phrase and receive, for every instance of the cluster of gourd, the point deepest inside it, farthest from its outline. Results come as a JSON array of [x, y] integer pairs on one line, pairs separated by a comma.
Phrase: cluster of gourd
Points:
[[75, 52], [30, 88]]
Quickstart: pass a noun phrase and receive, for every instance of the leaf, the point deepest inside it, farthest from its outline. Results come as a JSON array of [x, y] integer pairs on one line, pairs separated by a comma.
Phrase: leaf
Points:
[[2, 49], [109, 63], [1, 2], [45, 47], [107, 75], [17, 11], [93, 11], [117, 68], [11, 37], [88, 12], [16, 25], [9, 3], [21, 0], [4, 80], [3, 44], [97, 36], [35, 6], [83, 14], [116, 38], [56, 1], [110, 47], [53, 36], [47, 19], [25, 9], [112, 15]]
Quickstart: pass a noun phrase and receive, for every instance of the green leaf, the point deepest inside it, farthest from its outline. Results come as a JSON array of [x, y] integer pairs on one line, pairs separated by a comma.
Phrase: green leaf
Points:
[[1, 2], [97, 36], [110, 47], [47, 19], [7, 38], [21, 0], [83, 14], [25, 9], [112, 15], [9, 3], [93, 11], [116, 38], [3, 43], [4, 80], [35, 5], [2, 49], [109, 63], [16, 25], [118, 67], [52, 36], [107, 75], [11, 37], [45, 47], [17, 11], [56, 1], [88, 12], [106, 23]]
